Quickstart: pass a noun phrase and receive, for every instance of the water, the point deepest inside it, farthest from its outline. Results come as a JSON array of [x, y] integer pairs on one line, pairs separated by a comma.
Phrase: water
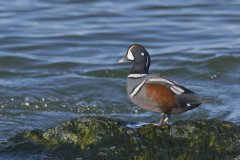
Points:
[[58, 59]]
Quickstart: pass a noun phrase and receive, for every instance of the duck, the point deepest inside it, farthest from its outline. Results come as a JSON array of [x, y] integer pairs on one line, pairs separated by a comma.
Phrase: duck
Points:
[[154, 92]]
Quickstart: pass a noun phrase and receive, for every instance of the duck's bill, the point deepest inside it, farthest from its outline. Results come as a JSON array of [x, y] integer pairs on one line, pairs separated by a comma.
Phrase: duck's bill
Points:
[[123, 60]]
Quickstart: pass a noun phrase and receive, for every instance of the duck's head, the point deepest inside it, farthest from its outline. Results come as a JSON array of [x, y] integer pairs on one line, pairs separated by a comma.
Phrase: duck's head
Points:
[[140, 58]]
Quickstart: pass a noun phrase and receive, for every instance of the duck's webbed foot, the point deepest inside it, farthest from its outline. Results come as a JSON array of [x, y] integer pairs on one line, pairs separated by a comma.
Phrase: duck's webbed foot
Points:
[[164, 119]]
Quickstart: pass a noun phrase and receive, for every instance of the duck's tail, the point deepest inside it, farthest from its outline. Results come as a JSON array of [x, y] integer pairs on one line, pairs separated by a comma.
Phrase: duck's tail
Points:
[[206, 100]]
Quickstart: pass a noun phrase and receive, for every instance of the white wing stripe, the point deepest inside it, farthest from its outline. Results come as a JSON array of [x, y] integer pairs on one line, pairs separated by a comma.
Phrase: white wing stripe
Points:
[[174, 88], [177, 90], [160, 80], [134, 92]]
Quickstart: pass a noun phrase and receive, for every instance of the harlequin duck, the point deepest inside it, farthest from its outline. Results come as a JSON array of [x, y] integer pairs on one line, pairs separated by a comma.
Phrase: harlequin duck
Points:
[[154, 92]]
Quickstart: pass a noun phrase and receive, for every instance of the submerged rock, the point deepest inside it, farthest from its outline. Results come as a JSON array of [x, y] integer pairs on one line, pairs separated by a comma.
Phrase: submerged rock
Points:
[[95, 137]]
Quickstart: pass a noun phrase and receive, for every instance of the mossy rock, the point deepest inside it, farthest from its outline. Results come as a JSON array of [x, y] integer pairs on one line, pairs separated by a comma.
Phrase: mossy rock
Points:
[[95, 137]]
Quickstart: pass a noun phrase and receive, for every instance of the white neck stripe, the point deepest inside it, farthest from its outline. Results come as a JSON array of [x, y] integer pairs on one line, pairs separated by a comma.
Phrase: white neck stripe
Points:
[[136, 75], [147, 62]]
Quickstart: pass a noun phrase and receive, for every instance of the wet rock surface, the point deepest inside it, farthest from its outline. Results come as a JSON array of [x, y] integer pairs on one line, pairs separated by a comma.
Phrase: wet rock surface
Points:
[[98, 137]]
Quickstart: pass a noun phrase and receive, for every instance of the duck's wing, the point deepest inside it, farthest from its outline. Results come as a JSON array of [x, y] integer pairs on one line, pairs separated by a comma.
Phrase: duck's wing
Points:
[[184, 98]]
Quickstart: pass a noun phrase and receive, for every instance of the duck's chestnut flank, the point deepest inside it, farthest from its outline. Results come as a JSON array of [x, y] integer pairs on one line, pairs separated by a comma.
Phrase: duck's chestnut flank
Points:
[[154, 91]]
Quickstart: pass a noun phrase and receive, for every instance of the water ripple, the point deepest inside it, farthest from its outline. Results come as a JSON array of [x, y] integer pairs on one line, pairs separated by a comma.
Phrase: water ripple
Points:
[[58, 58]]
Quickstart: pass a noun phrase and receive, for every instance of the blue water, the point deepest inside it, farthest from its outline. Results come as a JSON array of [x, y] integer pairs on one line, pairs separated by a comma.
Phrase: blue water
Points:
[[58, 58]]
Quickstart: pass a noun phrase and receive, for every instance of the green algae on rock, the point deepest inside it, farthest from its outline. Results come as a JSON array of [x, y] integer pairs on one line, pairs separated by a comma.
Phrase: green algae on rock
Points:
[[108, 138]]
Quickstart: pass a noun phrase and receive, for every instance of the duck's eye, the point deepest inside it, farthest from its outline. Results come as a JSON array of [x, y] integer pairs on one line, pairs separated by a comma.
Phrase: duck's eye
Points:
[[142, 54]]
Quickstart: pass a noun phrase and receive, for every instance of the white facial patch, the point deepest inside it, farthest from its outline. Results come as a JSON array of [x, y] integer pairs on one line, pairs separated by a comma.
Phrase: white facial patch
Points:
[[130, 54], [142, 54]]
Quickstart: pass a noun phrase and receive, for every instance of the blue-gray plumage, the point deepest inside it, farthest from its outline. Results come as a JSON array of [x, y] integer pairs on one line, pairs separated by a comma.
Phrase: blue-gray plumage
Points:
[[154, 92]]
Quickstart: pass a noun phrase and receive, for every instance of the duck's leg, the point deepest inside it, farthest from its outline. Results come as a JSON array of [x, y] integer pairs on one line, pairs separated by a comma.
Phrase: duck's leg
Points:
[[164, 119]]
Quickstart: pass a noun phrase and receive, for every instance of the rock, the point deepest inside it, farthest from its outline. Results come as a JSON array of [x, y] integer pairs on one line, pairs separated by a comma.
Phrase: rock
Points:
[[95, 137]]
